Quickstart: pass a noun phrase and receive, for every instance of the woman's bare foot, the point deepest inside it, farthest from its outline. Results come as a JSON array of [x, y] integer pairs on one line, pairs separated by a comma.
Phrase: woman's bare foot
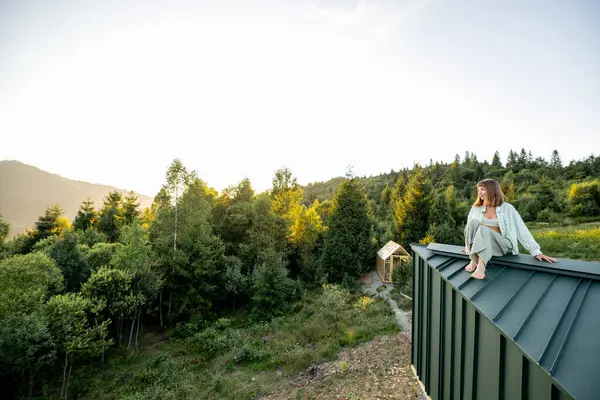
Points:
[[471, 267], [480, 271]]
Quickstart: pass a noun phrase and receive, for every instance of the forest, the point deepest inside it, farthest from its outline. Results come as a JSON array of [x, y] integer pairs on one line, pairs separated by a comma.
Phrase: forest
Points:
[[198, 266]]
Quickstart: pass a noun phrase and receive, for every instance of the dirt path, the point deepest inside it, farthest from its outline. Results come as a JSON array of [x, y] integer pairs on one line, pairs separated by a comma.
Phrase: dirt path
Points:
[[376, 370], [373, 282]]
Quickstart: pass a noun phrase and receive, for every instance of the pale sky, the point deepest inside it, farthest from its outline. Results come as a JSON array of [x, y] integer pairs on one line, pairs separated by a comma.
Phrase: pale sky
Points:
[[111, 91]]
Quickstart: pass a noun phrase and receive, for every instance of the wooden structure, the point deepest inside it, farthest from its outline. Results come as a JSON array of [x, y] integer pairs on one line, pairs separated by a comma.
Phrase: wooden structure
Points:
[[391, 256]]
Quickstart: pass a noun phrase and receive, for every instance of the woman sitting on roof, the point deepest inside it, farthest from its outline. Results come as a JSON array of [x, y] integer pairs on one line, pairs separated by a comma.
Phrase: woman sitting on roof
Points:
[[493, 227]]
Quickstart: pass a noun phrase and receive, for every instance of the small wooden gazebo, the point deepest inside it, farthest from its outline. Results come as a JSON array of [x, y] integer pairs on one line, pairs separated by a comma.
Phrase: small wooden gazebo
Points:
[[389, 257]]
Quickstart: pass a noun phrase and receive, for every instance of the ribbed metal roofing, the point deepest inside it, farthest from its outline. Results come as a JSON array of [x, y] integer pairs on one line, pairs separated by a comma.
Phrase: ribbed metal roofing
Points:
[[551, 311]]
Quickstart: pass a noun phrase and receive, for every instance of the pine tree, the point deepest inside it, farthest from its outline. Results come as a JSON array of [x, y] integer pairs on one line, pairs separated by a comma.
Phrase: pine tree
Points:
[[512, 159], [411, 214], [496, 163], [86, 216], [442, 226], [555, 161], [111, 216], [440, 211], [347, 249], [49, 224], [131, 208]]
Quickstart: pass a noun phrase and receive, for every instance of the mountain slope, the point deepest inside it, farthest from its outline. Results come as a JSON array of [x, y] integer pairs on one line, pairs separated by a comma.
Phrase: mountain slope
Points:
[[26, 191]]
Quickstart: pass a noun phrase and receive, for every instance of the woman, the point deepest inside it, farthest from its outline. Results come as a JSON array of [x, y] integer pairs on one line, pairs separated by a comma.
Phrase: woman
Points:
[[493, 228]]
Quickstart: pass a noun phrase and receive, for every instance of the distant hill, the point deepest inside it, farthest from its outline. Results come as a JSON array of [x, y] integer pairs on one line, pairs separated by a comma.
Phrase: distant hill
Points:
[[26, 191]]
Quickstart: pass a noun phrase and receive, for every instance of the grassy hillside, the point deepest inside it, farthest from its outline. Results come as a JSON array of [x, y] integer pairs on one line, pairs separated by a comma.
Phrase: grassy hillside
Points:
[[26, 191]]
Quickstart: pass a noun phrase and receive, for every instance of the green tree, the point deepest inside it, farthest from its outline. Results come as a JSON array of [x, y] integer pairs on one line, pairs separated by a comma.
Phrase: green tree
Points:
[[73, 333], [496, 162], [272, 288], [411, 214], [111, 216], [110, 291], [135, 257], [26, 346], [286, 195], [347, 248], [71, 258], [236, 282], [555, 161], [86, 216], [195, 280], [305, 237], [266, 235], [51, 223], [243, 191], [131, 208], [512, 160], [441, 213], [398, 190], [101, 254], [442, 227], [177, 177], [4, 232]]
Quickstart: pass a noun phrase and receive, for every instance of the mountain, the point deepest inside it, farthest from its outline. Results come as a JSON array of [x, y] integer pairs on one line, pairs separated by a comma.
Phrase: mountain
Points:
[[26, 191]]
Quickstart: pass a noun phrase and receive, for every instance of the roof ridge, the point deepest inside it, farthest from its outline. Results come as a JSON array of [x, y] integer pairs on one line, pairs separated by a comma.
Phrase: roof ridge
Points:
[[565, 266]]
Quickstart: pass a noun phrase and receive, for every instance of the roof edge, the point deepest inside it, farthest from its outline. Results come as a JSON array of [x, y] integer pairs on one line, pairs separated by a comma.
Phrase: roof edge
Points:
[[565, 266]]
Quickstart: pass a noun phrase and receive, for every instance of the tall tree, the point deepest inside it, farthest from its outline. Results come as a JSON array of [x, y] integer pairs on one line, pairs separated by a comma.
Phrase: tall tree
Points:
[[272, 289], [442, 227], [411, 214], [347, 247], [398, 190], [52, 222], [177, 177], [512, 160], [135, 257], [555, 161], [86, 216], [111, 216], [196, 280], [131, 208], [71, 258], [26, 346], [496, 162], [243, 191], [286, 195]]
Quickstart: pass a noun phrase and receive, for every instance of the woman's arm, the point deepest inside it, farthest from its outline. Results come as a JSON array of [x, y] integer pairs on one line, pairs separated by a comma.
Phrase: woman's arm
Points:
[[524, 235]]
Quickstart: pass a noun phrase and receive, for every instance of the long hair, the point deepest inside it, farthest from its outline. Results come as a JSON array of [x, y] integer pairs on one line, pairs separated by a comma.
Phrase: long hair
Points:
[[493, 193]]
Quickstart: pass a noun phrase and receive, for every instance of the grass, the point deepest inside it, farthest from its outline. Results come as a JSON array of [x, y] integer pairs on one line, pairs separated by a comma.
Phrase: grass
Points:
[[581, 241], [233, 360], [402, 302]]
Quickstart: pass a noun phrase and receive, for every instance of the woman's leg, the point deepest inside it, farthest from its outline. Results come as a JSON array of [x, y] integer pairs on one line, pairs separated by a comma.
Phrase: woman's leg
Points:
[[482, 247], [470, 231], [488, 243]]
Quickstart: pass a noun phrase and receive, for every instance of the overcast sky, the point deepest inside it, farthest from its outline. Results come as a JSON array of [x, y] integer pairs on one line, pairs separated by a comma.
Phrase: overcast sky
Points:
[[111, 91]]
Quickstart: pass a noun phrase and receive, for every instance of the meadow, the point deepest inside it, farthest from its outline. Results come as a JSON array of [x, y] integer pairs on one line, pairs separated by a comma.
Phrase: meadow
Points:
[[232, 359], [578, 241]]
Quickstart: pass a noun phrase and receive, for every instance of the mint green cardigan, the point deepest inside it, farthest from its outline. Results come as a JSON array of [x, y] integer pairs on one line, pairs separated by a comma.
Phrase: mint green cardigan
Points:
[[512, 227]]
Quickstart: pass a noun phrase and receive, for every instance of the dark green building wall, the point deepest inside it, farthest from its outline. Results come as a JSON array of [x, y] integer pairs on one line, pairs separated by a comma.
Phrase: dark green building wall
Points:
[[459, 353]]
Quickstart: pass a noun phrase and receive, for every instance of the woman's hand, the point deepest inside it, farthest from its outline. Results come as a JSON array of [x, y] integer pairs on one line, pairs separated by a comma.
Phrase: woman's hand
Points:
[[543, 257]]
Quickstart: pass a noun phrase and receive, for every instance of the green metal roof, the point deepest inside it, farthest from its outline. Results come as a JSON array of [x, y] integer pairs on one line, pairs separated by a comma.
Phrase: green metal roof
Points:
[[550, 311]]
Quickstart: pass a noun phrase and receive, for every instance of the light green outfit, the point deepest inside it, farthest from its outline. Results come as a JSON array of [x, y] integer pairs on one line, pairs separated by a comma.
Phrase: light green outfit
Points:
[[511, 225], [486, 242]]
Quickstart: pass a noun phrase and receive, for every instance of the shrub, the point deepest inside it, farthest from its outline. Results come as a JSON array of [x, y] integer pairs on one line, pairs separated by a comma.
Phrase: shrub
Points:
[[585, 198], [402, 275]]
